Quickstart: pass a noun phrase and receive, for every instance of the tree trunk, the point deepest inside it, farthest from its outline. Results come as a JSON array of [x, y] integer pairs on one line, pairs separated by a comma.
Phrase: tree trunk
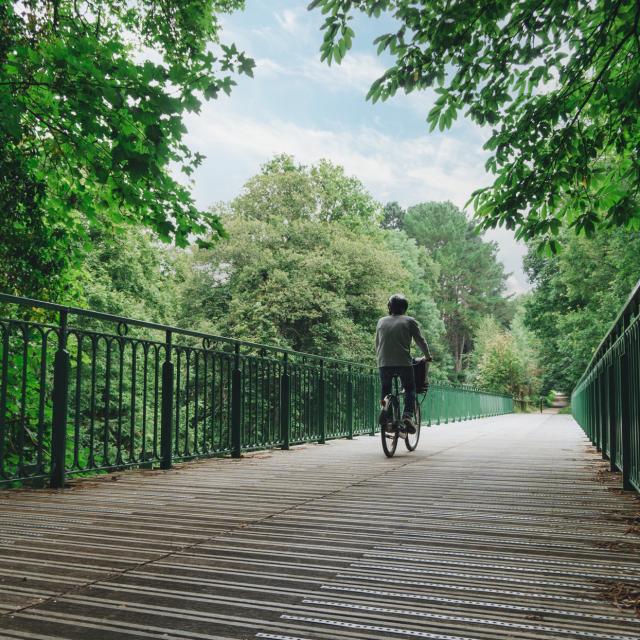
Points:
[[458, 353]]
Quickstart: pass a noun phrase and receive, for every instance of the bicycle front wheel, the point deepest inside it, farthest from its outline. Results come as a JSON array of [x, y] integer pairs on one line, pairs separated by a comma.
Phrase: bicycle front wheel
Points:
[[389, 431], [412, 438]]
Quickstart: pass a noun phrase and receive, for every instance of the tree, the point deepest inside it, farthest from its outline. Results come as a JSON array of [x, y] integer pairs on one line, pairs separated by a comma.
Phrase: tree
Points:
[[131, 273], [558, 84], [505, 359], [36, 257], [92, 100], [393, 216], [576, 296], [322, 192], [305, 285], [305, 265], [496, 360], [470, 281]]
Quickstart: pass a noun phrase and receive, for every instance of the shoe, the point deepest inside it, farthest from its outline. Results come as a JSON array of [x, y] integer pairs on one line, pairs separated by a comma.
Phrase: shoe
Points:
[[409, 427]]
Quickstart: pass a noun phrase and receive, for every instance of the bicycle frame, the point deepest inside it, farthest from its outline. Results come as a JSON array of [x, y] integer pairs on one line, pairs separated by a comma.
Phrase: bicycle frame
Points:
[[420, 397], [390, 435]]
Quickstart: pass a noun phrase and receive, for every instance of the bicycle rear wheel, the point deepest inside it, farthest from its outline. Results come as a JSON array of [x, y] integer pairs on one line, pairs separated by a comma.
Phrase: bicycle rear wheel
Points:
[[390, 438], [412, 438]]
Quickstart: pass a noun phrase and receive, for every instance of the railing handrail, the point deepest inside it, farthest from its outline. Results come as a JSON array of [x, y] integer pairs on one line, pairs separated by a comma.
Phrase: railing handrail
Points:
[[633, 298], [100, 315]]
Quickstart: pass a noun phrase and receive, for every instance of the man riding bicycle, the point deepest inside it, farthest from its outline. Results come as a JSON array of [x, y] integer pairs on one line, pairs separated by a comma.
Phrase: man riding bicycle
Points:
[[393, 349]]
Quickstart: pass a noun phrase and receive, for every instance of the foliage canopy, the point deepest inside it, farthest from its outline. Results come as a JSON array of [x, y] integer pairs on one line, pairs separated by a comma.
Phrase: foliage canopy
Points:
[[92, 96], [505, 360], [577, 295], [558, 83], [285, 189]]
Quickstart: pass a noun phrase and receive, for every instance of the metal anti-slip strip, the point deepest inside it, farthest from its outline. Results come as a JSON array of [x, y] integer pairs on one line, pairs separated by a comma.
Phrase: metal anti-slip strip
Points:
[[466, 619], [457, 587], [424, 634], [480, 603], [483, 576], [462, 554], [511, 567], [441, 537], [556, 531], [370, 627], [274, 636]]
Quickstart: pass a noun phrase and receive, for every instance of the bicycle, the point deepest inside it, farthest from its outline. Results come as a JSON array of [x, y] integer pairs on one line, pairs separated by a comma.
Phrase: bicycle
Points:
[[391, 432]]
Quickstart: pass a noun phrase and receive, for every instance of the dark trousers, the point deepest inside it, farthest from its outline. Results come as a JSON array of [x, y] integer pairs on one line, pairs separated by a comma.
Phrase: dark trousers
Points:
[[408, 384]]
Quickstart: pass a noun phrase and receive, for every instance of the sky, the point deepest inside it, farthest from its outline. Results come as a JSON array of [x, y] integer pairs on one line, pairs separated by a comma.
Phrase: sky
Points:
[[297, 105]]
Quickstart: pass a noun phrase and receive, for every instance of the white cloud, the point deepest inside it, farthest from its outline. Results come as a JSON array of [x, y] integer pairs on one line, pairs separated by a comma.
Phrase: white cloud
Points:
[[356, 72], [289, 21], [511, 254], [268, 67], [515, 287], [405, 170], [301, 106]]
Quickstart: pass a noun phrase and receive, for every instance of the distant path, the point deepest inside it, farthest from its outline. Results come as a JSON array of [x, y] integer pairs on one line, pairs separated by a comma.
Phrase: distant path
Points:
[[561, 400], [508, 533]]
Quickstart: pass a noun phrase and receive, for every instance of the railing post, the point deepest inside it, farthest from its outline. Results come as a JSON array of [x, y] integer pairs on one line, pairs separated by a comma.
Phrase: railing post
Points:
[[321, 409], [61, 371], [596, 411], [374, 403], [625, 418], [236, 405], [611, 403], [349, 404], [603, 415], [284, 403], [166, 411]]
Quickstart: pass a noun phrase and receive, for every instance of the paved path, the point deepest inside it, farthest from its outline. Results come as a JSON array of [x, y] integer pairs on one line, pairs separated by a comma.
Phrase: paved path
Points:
[[508, 533]]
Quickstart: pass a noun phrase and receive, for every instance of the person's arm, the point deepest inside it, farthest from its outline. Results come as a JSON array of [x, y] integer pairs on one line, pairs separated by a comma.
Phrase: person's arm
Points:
[[419, 340]]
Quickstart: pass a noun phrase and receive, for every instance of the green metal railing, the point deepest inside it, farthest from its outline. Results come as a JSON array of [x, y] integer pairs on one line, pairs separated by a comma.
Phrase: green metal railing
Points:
[[453, 403], [606, 400], [83, 391]]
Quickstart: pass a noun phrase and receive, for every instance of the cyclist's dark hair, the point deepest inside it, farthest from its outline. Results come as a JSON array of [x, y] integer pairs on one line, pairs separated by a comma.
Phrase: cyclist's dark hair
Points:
[[397, 304]]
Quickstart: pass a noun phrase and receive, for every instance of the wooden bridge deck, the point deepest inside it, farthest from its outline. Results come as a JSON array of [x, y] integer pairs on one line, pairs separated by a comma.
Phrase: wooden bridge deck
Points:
[[494, 529]]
